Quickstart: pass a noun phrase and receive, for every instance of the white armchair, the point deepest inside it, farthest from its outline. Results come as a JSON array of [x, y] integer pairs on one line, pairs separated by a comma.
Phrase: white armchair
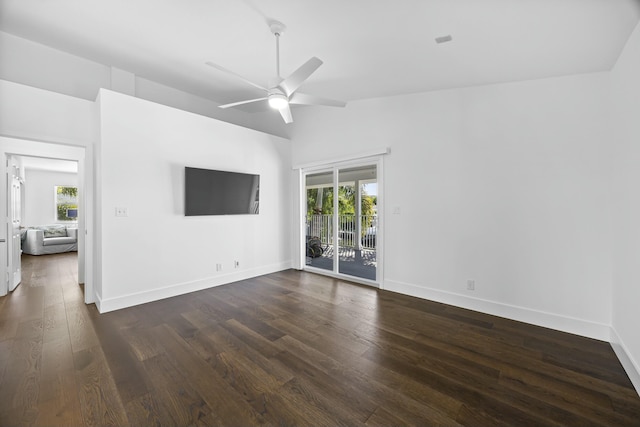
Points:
[[50, 239]]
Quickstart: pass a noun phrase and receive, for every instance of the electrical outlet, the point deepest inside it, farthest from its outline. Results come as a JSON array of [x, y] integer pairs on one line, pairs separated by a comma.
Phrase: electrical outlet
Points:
[[236, 264], [218, 267], [471, 285], [122, 211]]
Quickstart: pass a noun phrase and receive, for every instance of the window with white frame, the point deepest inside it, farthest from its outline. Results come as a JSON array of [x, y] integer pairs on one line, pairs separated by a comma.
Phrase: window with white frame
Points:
[[66, 203]]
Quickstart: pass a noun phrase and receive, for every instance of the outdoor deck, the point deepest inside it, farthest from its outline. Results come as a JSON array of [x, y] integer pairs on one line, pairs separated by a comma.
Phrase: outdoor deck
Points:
[[359, 263]]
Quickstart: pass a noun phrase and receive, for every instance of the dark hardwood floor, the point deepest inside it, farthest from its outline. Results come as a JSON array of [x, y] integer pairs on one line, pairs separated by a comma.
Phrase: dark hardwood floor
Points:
[[291, 348]]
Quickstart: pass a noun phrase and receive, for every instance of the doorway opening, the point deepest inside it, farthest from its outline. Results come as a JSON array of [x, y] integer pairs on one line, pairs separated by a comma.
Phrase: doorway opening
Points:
[[44, 215], [75, 220], [342, 221]]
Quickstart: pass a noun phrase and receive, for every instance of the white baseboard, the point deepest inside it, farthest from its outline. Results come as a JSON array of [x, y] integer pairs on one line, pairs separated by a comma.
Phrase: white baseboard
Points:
[[630, 366], [572, 325], [124, 301]]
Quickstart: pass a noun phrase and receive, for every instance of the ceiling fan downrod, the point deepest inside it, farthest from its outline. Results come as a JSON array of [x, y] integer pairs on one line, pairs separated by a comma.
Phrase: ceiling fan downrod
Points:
[[277, 28]]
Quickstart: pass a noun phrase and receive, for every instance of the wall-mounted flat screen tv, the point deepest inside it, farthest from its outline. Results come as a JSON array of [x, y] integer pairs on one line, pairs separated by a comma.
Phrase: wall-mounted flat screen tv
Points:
[[216, 192]]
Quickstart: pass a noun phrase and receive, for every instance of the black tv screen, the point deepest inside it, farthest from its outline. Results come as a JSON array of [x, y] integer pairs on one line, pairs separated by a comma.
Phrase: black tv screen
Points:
[[215, 192]]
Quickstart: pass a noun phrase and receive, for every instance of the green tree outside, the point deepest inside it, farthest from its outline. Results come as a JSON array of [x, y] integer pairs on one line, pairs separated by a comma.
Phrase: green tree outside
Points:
[[66, 198], [346, 202]]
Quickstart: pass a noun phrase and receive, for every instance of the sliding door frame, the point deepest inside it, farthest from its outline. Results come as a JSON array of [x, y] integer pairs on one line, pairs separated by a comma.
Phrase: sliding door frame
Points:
[[334, 167]]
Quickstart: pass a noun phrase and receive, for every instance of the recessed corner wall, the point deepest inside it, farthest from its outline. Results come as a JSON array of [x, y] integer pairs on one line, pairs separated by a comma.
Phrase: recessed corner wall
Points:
[[156, 252], [626, 248]]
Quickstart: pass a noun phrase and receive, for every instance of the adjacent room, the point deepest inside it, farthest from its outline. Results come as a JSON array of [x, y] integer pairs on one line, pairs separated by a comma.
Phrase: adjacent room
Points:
[[233, 212]]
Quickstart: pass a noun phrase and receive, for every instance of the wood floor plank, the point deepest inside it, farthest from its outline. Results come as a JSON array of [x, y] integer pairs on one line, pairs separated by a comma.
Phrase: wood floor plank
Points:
[[502, 406], [140, 342], [125, 369], [525, 378], [221, 398], [184, 404], [223, 338], [291, 348], [59, 403], [82, 335], [262, 391], [404, 406], [57, 358], [5, 354], [20, 384], [146, 411], [253, 339], [383, 417], [8, 326], [319, 409], [326, 390], [54, 323], [100, 401]]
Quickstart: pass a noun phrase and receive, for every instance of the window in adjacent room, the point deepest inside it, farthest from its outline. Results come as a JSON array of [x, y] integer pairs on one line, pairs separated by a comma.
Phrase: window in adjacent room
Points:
[[66, 203]]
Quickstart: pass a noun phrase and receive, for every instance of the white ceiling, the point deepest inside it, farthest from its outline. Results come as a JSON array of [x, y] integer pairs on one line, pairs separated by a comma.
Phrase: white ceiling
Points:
[[370, 48], [45, 164]]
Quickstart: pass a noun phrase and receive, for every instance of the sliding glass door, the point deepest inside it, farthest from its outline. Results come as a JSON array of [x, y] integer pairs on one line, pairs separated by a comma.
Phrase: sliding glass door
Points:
[[319, 246], [357, 219], [342, 221]]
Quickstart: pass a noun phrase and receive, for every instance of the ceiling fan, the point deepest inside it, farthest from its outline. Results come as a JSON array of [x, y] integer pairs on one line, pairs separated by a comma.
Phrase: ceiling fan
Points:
[[281, 93]]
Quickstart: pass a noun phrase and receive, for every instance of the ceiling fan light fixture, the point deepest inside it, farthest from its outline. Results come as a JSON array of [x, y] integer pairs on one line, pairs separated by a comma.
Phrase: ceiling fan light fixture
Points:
[[278, 101]]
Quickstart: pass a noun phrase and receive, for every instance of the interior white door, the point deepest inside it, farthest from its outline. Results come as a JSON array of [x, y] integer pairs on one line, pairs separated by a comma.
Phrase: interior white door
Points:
[[14, 222]]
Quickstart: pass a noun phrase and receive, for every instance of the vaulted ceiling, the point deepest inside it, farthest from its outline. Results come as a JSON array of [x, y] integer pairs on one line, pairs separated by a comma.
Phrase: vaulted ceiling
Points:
[[370, 48]]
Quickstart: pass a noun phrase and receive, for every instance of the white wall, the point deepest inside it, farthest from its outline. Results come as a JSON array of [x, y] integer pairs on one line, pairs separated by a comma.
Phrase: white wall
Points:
[[626, 145], [268, 121], [37, 114], [156, 251], [39, 66], [39, 195], [508, 185]]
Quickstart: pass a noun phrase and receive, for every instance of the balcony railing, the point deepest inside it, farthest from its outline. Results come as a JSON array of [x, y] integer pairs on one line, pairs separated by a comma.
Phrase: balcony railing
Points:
[[322, 227]]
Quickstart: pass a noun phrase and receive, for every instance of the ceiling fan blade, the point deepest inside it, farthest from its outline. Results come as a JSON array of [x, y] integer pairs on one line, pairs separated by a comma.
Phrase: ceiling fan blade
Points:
[[221, 68], [285, 112], [304, 99], [293, 82], [233, 104]]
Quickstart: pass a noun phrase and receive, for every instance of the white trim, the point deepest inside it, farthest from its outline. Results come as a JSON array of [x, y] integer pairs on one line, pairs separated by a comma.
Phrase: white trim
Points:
[[300, 203], [351, 157], [572, 325], [117, 303], [297, 254], [55, 150], [382, 218], [343, 277], [631, 367]]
